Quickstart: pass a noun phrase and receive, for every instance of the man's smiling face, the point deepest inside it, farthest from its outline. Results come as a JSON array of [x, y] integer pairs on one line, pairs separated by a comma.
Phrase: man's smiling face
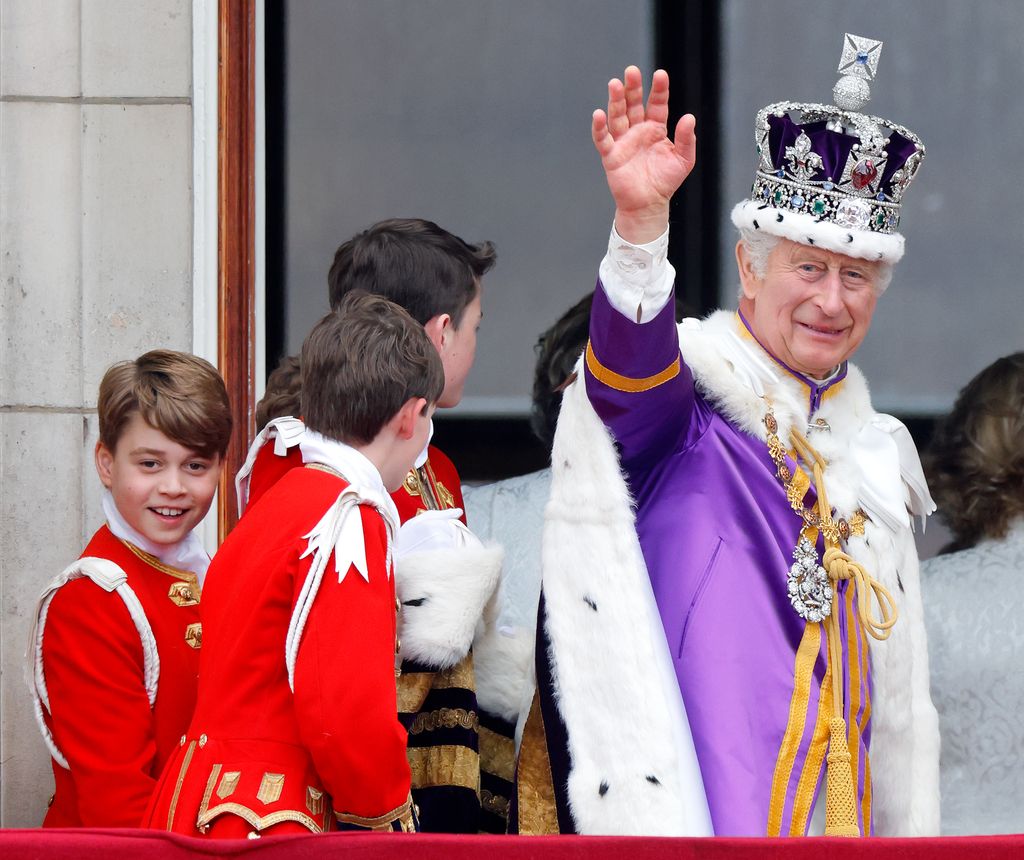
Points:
[[812, 308]]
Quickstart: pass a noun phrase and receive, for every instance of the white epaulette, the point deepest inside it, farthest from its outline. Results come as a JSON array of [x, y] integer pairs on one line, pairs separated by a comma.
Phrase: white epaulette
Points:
[[109, 577]]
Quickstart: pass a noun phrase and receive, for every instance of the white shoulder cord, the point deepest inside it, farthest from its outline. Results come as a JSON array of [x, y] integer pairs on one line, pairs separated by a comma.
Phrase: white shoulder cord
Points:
[[109, 577]]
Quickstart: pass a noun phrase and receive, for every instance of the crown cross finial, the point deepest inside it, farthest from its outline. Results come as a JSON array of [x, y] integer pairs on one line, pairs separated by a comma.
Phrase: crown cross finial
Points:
[[858, 66], [803, 163]]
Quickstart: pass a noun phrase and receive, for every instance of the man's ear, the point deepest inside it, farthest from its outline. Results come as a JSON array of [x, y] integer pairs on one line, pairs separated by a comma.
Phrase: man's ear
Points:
[[408, 415], [750, 284], [439, 330], [104, 464]]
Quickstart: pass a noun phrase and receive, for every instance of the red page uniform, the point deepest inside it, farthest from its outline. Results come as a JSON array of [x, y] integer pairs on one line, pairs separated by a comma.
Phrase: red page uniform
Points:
[[295, 728], [116, 659], [443, 593]]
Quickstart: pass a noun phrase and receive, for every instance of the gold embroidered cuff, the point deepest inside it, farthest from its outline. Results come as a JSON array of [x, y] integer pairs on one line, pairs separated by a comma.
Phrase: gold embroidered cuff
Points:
[[402, 816], [624, 383]]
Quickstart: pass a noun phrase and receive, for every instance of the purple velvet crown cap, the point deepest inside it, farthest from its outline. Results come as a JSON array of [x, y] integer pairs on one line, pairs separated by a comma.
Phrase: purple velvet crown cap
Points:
[[829, 175]]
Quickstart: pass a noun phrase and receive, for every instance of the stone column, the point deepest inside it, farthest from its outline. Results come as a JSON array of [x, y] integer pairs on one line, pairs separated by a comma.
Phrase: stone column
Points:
[[95, 267]]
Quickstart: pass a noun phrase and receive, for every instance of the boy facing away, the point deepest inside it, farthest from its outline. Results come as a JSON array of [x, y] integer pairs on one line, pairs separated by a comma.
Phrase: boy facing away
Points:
[[296, 725], [458, 723], [114, 652]]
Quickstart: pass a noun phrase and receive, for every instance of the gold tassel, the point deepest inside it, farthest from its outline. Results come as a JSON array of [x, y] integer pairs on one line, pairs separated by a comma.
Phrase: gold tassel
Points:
[[840, 793]]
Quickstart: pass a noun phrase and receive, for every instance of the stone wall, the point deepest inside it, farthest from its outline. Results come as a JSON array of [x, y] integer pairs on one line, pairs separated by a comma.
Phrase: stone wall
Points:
[[95, 266]]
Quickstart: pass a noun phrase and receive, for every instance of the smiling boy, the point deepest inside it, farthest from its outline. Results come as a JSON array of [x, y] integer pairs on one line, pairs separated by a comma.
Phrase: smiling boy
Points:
[[115, 648]]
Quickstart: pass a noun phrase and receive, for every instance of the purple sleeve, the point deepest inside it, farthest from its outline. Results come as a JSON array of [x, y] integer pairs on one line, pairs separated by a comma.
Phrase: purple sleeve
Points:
[[637, 381]]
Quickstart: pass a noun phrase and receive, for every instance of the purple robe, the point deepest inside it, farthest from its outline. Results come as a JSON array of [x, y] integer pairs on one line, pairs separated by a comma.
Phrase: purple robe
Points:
[[717, 534]]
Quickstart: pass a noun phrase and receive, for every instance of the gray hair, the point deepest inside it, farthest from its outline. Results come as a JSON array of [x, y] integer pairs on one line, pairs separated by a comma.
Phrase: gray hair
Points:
[[759, 246]]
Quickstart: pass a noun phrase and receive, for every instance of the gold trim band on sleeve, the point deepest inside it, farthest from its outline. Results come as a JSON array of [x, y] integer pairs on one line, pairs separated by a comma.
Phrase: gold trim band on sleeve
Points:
[[624, 383], [401, 814]]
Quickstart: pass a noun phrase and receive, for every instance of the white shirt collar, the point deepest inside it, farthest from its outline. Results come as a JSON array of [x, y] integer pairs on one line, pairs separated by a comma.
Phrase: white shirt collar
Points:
[[355, 466], [187, 554]]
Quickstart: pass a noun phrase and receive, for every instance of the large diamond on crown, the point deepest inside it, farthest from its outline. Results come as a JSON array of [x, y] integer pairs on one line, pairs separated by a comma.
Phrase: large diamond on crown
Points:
[[808, 586], [853, 214]]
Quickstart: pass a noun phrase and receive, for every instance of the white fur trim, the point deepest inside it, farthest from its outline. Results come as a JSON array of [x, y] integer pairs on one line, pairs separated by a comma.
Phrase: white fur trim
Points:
[[502, 663], [111, 578], [602, 664], [610, 664], [807, 230], [443, 594]]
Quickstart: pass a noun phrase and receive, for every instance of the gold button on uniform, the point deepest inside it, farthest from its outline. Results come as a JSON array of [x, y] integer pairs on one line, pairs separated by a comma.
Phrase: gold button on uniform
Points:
[[202, 740]]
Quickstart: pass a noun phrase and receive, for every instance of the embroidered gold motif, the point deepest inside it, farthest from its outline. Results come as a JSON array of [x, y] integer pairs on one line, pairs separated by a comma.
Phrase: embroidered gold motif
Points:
[[411, 484], [194, 634], [497, 754], [228, 784], [446, 498], [446, 764], [271, 787], [314, 800], [447, 718], [494, 803], [182, 594], [535, 786]]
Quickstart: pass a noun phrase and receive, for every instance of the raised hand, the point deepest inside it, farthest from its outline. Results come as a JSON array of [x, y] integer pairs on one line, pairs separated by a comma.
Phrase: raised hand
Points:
[[643, 166]]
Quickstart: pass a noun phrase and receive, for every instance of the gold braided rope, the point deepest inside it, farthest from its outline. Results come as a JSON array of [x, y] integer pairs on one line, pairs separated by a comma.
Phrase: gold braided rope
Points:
[[840, 786]]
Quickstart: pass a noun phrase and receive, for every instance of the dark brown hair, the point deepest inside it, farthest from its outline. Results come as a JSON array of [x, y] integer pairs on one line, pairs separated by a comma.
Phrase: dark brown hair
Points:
[[413, 263], [177, 393], [557, 351], [283, 393], [975, 463], [361, 364]]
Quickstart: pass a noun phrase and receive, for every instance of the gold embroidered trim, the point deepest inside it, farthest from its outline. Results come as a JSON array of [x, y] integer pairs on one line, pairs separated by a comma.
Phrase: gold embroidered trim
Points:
[[270, 788], [444, 764], [497, 754], [535, 787], [208, 792], [177, 785], [402, 814], [624, 383], [255, 820], [442, 495], [494, 803], [413, 688], [228, 784], [446, 718], [314, 800], [185, 575], [321, 467]]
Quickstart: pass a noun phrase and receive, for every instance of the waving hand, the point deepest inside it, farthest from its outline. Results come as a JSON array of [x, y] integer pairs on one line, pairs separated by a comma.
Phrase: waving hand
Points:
[[643, 166]]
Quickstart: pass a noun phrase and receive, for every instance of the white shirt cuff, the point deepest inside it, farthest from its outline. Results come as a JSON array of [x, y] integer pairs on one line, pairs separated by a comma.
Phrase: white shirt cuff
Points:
[[638, 279]]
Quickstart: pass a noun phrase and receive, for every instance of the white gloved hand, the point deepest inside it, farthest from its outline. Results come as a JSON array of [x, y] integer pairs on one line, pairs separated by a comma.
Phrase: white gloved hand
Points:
[[429, 531]]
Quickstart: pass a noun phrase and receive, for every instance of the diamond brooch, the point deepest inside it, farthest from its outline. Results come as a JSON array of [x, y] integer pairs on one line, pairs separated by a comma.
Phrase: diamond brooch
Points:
[[809, 589]]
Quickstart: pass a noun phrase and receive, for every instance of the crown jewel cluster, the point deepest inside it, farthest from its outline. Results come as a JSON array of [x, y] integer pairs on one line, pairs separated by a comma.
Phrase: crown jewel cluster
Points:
[[836, 164]]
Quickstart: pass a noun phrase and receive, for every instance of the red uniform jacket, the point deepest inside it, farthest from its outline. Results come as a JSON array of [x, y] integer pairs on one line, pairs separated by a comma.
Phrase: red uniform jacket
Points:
[[258, 755], [439, 708], [100, 716]]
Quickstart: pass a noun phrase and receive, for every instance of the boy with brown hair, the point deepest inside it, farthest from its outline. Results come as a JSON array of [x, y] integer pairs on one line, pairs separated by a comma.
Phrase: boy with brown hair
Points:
[[114, 652], [296, 726], [445, 576]]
